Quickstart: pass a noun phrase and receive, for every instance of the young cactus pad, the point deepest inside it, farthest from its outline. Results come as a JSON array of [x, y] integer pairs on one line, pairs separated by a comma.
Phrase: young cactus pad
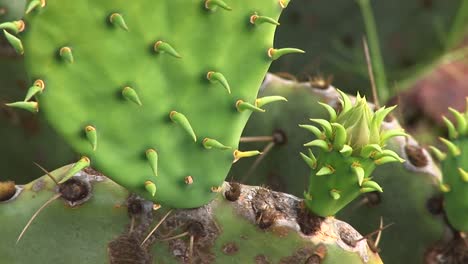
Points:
[[137, 86], [454, 165], [349, 146]]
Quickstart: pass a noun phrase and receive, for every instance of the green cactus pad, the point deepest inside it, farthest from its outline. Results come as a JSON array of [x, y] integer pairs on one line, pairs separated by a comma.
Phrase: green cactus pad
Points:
[[454, 165], [349, 146], [163, 51]]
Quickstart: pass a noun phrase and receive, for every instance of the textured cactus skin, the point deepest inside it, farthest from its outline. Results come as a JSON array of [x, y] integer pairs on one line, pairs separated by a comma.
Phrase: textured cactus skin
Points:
[[86, 92], [83, 233], [454, 165]]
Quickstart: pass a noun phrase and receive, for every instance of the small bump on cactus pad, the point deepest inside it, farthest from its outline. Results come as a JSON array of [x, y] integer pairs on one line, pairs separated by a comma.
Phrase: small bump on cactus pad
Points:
[[350, 146], [454, 165], [127, 77]]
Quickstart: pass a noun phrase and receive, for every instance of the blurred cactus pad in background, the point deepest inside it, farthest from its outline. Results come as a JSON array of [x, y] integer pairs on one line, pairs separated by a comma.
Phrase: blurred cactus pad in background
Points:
[[234, 131]]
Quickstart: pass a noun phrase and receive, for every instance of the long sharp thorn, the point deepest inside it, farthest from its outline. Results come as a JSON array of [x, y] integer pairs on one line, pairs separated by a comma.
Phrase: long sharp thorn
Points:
[[156, 227], [182, 120], [83, 163], [47, 173], [257, 139], [55, 197], [258, 160], [174, 237], [379, 234], [192, 238]]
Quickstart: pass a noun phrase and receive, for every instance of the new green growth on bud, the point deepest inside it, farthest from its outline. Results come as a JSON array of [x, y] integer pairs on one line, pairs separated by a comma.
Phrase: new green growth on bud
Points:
[[357, 122], [349, 146]]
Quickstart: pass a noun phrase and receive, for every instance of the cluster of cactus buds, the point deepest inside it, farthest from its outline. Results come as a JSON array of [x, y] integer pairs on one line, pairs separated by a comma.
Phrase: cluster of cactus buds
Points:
[[350, 145], [454, 165]]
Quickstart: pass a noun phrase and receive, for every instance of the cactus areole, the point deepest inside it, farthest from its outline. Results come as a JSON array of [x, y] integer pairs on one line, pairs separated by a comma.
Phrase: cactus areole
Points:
[[141, 88]]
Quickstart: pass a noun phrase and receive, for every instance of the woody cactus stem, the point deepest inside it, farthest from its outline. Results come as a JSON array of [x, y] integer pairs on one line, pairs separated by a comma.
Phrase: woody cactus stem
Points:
[[454, 164], [350, 145]]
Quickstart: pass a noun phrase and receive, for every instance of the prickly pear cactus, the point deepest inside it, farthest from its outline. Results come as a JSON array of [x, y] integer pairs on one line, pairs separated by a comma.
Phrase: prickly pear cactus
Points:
[[351, 144], [454, 164], [92, 219], [407, 195], [154, 93]]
